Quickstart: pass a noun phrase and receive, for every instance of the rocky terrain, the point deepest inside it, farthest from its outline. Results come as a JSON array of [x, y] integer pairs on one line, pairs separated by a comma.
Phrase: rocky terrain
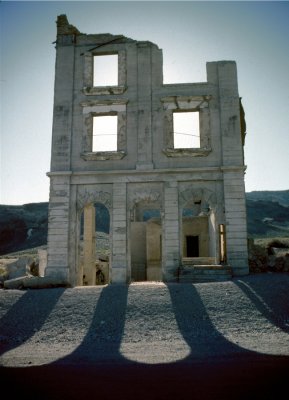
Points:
[[23, 227], [268, 214]]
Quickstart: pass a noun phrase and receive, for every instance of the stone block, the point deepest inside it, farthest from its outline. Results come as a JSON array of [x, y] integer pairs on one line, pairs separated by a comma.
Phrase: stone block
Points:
[[44, 282], [20, 267], [59, 273], [42, 257], [15, 283], [118, 276]]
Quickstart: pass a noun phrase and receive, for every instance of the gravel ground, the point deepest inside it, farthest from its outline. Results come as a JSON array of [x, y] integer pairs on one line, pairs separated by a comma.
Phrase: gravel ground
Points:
[[148, 340]]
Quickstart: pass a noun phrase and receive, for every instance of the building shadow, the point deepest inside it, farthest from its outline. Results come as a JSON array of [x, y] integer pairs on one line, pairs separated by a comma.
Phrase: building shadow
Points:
[[205, 341], [103, 338], [27, 316], [274, 308], [215, 368]]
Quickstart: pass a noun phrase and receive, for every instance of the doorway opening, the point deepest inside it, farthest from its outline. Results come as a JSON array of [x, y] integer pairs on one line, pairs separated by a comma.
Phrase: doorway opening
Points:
[[192, 246], [198, 232], [146, 244], [94, 246]]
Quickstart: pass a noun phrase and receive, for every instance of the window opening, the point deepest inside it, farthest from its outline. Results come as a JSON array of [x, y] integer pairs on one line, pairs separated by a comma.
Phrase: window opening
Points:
[[151, 213], [105, 70], [104, 136], [188, 212], [192, 246], [186, 130]]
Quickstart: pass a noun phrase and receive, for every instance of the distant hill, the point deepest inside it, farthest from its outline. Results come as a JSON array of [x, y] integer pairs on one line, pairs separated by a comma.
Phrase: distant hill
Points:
[[25, 226], [281, 196], [268, 213]]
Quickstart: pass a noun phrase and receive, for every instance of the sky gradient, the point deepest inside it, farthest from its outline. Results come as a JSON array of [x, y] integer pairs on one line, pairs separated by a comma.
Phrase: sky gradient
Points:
[[190, 33]]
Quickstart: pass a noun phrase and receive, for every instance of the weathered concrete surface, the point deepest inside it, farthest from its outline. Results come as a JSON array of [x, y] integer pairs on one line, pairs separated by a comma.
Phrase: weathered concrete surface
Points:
[[34, 282], [13, 270], [19, 267], [147, 171], [42, 260]]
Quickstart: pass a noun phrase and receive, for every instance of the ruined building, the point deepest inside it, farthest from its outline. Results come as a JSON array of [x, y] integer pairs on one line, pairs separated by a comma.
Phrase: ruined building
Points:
[[173, 195]]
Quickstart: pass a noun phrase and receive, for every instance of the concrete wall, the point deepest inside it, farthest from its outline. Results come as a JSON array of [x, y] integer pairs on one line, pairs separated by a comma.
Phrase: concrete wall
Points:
[[154, 250], [146, 166], [138, 251]]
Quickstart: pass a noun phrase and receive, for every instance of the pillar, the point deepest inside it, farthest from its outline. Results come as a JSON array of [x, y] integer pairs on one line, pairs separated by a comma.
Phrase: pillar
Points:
[[89, 270], [171, 259], [119, 235]]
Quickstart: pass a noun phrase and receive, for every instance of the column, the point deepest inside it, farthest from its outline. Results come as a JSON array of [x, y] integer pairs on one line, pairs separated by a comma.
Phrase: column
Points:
[[236, 222], [144, 90], [119, 235], [58, 228], [171, 257], [89, 270]]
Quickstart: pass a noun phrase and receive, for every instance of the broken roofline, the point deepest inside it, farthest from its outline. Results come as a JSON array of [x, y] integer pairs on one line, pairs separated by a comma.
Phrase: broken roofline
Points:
[[101, 39]]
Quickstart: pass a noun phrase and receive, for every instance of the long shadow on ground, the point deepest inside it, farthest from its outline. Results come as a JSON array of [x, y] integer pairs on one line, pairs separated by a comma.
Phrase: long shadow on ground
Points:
[[214, 369], [274, 308], [27, 316]]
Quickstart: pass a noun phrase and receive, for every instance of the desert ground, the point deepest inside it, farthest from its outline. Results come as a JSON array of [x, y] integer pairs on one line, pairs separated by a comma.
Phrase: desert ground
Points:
[[219, 340]]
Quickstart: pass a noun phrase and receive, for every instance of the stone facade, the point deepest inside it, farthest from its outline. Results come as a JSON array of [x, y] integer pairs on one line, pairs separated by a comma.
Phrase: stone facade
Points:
[[165, 203]]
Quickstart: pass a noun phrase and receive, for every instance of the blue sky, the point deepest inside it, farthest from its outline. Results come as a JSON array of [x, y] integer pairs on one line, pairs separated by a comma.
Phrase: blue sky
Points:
[[254, 33]]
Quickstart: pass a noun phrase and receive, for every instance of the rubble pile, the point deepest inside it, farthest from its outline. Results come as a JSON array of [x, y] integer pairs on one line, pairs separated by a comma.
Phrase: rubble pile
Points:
[[272, 258]]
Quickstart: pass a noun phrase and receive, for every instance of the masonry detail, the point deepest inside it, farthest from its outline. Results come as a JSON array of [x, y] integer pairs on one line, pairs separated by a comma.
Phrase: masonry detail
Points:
[[174, 213]]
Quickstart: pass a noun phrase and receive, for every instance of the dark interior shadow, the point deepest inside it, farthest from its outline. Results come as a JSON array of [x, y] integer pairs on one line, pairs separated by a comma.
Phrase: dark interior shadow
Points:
[[27, 316], [274, 308]]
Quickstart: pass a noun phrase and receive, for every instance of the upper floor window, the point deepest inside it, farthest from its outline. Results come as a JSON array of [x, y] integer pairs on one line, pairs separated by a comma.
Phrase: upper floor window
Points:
[[104, 134], [186, 126], [105, 70], [104, 130], [186, 130], [104, 73]]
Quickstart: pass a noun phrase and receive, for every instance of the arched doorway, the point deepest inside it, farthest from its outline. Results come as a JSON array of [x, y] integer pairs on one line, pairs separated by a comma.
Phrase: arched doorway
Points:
[[198, 239], [94, 245]]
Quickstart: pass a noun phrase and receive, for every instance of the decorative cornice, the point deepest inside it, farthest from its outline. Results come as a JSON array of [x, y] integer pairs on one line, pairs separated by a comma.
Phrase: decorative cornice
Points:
[[102, 102], [59, 173], [103, 155], [194, 152], [103, 90], [233, 168]]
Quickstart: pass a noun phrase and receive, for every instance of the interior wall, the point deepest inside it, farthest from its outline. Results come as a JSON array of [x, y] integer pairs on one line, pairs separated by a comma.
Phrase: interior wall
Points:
[[154, 250], [196, 226], [138, 251]]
